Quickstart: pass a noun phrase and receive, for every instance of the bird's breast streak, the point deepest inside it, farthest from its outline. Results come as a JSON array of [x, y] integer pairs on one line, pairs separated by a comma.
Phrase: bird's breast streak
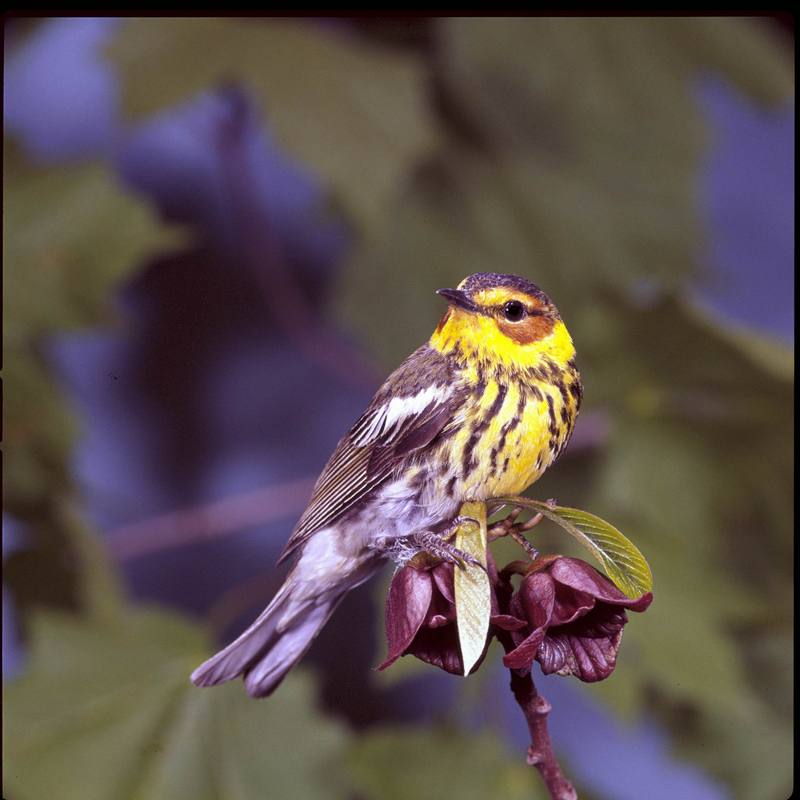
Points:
[[510, 444]]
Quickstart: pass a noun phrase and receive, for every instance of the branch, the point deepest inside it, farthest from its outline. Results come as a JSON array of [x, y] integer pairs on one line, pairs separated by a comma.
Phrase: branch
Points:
[[255, 591], [210, 520], [536, 708]]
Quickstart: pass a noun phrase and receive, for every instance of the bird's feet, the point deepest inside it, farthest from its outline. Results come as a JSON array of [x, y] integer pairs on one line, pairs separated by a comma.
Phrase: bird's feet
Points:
[[402, 549], [456, 523], [440, 546]]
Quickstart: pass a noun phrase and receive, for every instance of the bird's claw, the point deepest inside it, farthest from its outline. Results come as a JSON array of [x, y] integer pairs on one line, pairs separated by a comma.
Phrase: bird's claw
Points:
[[457, 522], [436, 546], [445, 550]]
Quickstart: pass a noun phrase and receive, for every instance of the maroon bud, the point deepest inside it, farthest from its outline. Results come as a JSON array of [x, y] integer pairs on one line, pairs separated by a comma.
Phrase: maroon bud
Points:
[[565, 615], [421, 616], [572, 620], [406, 608]]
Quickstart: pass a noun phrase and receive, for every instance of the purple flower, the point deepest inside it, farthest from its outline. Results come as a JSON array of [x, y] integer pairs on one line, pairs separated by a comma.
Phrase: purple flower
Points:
[[568, 617], [565, 615], [421, 617]]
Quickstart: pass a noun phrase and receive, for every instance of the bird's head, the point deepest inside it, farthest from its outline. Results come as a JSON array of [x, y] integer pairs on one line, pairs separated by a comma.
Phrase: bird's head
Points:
[[502, 319]]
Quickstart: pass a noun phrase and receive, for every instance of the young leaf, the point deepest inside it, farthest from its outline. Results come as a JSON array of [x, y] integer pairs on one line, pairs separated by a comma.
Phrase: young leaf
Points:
[[472, 591], [618, 556]]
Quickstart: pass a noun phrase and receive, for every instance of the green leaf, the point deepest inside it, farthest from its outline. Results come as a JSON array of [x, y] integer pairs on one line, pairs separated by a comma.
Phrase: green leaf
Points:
[[763, 765], [763, 352], [618, 556], [683, 644], [70, 234], [342, 107], [107, 711], [585, 178], [432, 764], [472, 589], [524, 81]]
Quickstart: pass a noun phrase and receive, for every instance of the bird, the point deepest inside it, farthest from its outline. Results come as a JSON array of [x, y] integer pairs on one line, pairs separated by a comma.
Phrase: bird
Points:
[[479, 411]]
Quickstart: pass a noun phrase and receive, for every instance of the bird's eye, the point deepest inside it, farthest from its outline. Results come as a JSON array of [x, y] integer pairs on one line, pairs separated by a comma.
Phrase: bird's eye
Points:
[[513, 311]]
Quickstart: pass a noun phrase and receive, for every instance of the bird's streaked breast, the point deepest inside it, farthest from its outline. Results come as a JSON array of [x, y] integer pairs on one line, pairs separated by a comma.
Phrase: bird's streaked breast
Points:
[[513, 431]]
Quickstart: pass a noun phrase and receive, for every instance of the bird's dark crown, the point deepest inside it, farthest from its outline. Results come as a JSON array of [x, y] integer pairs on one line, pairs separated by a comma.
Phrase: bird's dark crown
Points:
[[491, 280]]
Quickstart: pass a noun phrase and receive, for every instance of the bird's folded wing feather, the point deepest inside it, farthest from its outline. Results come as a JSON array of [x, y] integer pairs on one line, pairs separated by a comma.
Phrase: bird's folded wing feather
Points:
[[407, 413]]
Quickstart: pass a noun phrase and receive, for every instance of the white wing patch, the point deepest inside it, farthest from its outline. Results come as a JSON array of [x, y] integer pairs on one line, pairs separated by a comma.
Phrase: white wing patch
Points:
[[385, 422], [372, 450]]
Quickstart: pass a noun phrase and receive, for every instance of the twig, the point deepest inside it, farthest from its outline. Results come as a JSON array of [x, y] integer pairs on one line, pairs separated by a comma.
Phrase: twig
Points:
[[255, 591], [210, 520], [536, 708], [508, 526]]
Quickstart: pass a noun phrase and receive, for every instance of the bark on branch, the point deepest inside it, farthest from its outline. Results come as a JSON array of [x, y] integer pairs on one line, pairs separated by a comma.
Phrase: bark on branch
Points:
[[540, 752]]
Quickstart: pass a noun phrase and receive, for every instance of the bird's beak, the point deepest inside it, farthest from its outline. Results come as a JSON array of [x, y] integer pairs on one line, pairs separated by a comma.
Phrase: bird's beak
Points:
[[457, 298]]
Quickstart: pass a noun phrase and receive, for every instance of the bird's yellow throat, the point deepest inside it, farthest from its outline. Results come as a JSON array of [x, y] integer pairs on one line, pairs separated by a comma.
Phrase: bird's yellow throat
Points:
[[477, 337]]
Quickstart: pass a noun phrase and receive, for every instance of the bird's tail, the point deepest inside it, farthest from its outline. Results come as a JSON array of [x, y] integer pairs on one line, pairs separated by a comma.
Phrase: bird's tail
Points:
[[275, 642]]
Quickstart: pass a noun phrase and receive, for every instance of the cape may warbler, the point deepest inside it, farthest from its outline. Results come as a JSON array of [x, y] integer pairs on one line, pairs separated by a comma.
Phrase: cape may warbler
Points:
[[480, 411]]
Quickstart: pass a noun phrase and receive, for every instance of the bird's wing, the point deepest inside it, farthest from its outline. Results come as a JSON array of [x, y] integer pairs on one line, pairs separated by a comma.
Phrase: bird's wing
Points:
[[411, 408]]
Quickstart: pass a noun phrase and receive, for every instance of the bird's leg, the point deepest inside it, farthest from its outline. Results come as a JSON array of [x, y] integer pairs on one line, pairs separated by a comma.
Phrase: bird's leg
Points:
[[438, 545], [402, 548], [459, 555]]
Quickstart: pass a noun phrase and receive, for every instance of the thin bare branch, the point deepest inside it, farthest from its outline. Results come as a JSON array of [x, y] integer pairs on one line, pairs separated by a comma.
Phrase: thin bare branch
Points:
[[210, 520]]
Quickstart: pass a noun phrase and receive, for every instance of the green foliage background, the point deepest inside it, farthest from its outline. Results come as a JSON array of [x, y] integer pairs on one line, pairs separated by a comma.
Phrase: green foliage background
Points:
[[563, 149]]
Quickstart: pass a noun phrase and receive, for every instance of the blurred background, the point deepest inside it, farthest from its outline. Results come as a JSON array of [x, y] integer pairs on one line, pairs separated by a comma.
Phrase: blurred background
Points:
[[220, 235]]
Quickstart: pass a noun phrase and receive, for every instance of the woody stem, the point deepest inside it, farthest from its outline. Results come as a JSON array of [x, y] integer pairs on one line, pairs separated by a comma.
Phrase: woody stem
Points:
[[540, 752]]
